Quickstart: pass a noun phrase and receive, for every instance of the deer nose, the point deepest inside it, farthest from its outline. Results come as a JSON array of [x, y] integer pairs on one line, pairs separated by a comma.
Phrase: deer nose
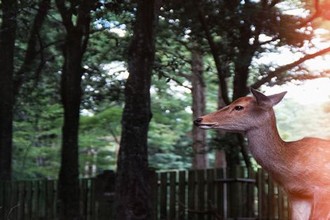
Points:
[[198, 121]]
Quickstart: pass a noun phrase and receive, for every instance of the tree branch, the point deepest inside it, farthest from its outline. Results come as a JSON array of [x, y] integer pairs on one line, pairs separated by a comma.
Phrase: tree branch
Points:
[[316, 14], [280, 70], [65, 14], [214, 49], [83, 21], [274, 2], [177, 81], [31, 51]]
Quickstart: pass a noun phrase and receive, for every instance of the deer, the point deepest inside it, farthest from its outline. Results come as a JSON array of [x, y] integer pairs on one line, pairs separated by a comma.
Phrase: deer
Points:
[[301, 168]]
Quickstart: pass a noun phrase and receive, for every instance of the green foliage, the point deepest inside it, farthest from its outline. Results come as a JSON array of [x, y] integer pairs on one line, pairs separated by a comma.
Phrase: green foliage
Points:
[[99, 140], [38, 112], [36, 143], [169, 127]]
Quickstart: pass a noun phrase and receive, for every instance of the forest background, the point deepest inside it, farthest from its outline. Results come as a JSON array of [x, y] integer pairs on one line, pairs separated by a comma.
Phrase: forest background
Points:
[[65, 69]]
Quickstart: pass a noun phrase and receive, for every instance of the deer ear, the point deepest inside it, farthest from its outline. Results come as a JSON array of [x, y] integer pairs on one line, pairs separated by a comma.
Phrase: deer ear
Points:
[[276, 98], [267, 100], [261, 98]]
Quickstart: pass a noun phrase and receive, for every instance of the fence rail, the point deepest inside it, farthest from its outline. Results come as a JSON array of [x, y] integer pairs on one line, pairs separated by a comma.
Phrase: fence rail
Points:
[[177, 195]]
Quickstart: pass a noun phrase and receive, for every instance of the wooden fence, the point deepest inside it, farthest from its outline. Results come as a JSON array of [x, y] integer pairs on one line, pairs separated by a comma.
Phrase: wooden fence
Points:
[[182, 195], [218, 194]]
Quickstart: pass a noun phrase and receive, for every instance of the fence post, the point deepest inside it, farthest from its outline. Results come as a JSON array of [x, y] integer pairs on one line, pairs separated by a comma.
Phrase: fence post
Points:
[[182, 197], [191, 194], [153, 181], [210, 189], [163, 196], [251, 193], [104, 195]]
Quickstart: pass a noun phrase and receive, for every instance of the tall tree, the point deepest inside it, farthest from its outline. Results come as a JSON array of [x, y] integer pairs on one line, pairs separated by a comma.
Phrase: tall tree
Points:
[[200, 152], [132, 188], [188, 56], [7, 45], [76, 20], [34, 47], [240, 41]]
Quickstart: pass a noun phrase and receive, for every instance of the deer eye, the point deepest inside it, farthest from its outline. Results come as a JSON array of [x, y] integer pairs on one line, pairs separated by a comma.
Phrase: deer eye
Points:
[[238, 108]]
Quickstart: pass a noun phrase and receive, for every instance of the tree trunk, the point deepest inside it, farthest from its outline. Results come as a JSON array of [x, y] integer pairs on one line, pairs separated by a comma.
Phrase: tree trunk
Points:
[[33, 45], [240, 79], [74, 48], [221, 67], [200, 157], [71, 97], [7, 45], [242, 64], [220, 154], [132, 187]]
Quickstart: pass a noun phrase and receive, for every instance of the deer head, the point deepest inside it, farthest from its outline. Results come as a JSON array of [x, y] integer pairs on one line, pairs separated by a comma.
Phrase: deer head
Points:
[[243, 114]]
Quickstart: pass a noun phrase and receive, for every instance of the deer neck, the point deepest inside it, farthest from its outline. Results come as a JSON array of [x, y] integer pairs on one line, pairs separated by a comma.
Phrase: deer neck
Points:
[[266, 145]]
